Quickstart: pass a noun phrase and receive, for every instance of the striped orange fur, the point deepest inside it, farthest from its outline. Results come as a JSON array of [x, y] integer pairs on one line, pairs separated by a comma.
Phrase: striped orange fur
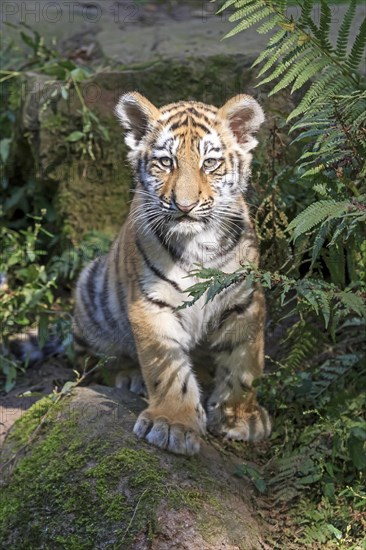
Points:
[[191, 163]]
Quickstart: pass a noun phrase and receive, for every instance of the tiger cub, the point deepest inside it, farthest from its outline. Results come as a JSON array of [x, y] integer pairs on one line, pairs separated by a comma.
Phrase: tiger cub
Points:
[[191, 163]]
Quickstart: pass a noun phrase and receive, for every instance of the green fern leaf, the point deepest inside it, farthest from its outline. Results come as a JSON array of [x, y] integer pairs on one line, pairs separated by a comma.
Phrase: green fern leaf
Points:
[[268, 25], [286, 63], [240, 3], [309, 133], [287, 45], [358, 48], [311, 69], [328, 85], [360, 121], [227, 4], [245, 12], [318, 244], [276, 38], [343, 35], [248, 22], [307, 8], [315, 214], [325, 20], [292, 71], [353, 302]]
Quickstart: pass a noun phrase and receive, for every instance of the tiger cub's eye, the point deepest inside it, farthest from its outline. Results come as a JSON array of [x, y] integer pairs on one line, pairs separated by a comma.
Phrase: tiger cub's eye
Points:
[[167, 162], [210, 163]]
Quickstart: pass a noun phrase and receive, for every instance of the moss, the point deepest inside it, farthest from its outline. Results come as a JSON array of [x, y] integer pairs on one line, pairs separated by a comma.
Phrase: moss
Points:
[[25, 426], [81, 504], [94, 485]]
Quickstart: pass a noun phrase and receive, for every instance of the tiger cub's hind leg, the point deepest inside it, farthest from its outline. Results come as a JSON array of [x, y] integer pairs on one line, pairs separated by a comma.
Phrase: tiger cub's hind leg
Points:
[[130, 379], [232, 409]]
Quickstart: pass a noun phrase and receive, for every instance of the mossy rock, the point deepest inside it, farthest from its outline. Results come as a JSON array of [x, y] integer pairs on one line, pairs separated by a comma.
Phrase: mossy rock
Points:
[[84, 481]]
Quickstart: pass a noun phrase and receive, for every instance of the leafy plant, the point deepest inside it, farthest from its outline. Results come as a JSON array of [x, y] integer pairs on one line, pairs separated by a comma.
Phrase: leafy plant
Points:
[[313, 266]]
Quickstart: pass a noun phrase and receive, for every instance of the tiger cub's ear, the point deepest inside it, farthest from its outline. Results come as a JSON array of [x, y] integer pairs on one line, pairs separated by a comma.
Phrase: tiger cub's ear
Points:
[[137, 116], [244, 115]]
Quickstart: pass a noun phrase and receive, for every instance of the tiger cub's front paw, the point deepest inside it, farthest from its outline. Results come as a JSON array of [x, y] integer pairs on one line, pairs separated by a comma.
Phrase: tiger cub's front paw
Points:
[[172, 436], [238, 423]]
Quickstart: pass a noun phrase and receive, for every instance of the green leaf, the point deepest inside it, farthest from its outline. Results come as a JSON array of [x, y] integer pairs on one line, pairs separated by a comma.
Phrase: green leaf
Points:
[[254, 475], [42, 330], [67, 387], [79, 74], [315, 214], [28, 40], [4, 149], [249, 21], [75, 136], [336, 532], [357, 451]]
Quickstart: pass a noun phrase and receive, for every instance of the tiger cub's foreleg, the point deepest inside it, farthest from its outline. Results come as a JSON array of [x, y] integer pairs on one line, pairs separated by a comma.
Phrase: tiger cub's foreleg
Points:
[[238, 342], [174, 418]]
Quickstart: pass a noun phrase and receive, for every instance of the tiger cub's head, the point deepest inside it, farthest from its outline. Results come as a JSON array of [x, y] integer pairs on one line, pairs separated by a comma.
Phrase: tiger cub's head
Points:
[[191, 160]]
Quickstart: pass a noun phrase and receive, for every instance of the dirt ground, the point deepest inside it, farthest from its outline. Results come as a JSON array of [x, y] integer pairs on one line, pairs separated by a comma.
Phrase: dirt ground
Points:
[[39, 380]]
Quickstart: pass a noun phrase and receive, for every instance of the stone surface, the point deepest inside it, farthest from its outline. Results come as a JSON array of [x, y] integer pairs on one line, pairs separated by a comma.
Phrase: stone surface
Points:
[[84, 481], [133, 32]]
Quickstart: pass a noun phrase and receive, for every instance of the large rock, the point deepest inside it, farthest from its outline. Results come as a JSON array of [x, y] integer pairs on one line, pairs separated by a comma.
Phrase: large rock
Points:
[[84, 481]]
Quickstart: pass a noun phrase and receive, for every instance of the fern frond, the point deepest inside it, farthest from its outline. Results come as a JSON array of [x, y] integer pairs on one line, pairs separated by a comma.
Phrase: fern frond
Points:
[[251, 20], [306, 10], [289, 43], [325, 20], [269, 25], [358, 48], [284, 66], [318, 244], [311, 69], [328, 85], [316, 213], [294, 69], [343, 35], [245, 12], [276, 38], [227, 4], [331, 372]]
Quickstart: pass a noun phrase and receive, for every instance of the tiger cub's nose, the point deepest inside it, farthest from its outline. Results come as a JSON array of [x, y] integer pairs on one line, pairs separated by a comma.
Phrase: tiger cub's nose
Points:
[[183, 207]]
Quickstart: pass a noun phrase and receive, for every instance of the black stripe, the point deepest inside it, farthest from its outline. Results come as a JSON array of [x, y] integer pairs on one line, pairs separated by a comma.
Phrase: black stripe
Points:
[[120, 289], [236, 230], [179, 344], [166, 145], [80, 341], [199, 115], [155, 301], [177, 125], [226, 347], [87, 291], [154, 269], [244, 386], [238, 309], [185, 383], [176, 256], [202, 126], [180, 319], [90, 281], [108, 315]]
